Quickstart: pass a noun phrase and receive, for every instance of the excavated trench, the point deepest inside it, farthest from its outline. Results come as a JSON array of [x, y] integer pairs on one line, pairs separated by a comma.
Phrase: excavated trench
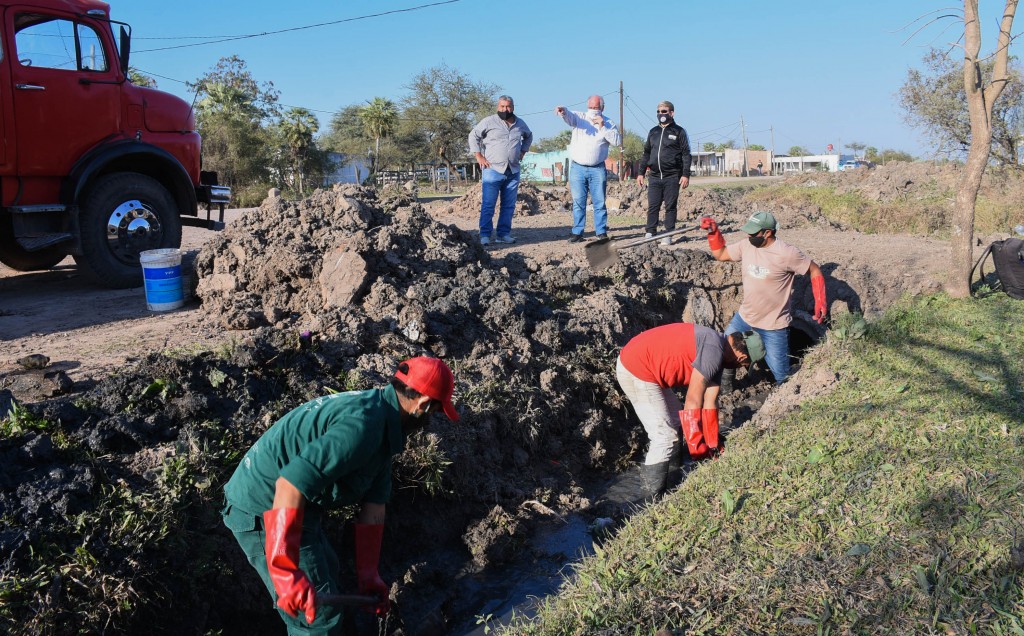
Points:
[[111, 509]]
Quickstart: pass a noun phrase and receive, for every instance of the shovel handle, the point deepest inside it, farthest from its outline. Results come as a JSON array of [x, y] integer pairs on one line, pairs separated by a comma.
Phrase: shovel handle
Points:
[[661, 236], [346, 600]]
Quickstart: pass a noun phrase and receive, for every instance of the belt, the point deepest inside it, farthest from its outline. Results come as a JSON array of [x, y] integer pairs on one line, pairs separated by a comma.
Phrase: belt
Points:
[[586, 166]]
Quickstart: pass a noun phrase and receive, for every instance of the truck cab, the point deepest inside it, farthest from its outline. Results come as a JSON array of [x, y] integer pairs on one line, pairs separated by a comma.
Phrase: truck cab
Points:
[[91, 165]]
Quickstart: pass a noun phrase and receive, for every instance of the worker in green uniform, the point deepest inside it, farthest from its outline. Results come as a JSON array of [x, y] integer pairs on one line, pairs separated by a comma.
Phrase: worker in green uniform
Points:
[[333, 451]]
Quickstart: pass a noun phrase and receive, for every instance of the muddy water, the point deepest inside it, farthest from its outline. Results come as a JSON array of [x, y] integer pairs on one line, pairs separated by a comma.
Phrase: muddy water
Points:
[[492, 598]]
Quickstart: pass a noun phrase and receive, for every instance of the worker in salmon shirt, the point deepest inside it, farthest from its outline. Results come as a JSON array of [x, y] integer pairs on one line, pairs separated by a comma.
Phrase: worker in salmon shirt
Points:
[[769, 268]]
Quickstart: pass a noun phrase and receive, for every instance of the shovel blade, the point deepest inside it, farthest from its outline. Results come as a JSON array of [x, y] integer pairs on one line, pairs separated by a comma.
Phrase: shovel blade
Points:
[[601, 255]]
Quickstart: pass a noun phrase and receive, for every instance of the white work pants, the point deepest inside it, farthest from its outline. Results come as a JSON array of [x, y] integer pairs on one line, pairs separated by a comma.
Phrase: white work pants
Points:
[[658, 410]]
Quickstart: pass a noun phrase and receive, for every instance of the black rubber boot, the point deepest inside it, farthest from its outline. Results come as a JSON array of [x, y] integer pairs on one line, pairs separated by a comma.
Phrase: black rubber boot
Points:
[[654, 479], [674, 475], [728, 379]]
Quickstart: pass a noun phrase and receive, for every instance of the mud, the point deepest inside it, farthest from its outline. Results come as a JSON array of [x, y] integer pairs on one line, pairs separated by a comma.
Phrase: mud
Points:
[[374, 278]]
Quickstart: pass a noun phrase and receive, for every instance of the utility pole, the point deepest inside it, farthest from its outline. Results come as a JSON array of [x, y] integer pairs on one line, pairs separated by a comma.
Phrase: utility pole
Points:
[[622, 129], [743, 132], [771, 160]]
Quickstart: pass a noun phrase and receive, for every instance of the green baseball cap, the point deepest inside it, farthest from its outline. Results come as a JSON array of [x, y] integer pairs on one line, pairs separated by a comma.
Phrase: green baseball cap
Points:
[[755, 346], [760, 221]]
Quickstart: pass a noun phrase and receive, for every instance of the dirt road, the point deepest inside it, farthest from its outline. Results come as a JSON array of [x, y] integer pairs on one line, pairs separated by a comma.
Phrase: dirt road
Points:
[[89, 331]]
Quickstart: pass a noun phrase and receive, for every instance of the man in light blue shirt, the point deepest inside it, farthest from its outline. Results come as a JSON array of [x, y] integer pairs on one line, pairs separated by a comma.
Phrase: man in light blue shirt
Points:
[[499, 143], [592, 135]]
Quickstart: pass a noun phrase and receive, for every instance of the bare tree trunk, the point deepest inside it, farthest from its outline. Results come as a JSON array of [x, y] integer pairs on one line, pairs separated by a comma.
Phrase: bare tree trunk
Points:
[[981, 95]]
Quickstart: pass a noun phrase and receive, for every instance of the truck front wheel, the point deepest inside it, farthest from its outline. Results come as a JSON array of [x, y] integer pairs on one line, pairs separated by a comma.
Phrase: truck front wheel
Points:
[[123, 215], [13, 255]]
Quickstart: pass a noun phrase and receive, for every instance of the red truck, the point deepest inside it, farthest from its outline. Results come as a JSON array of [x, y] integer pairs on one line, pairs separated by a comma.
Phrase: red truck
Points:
[[91, 165]]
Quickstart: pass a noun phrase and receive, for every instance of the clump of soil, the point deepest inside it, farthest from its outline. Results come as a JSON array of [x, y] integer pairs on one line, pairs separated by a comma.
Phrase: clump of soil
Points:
[[130, 473]]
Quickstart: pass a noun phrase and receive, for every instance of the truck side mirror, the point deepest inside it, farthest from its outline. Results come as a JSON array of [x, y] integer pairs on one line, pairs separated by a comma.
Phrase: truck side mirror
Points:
[[125, 50]]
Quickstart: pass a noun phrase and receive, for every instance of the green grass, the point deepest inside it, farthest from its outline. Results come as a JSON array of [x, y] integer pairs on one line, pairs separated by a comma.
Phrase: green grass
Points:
[[892, 505]]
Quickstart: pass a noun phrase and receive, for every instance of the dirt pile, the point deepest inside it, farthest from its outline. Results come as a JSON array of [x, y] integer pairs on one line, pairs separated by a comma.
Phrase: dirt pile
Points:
[[621, 197], [530, 200], [896, 181], [130, 473]]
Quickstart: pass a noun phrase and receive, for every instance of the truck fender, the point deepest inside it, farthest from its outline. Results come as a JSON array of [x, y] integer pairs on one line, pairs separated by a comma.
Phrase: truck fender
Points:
[[131, 156]]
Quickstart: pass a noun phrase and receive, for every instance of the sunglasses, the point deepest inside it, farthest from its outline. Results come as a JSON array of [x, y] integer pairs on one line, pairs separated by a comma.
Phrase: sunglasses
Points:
[[433, 407], [664, 112]]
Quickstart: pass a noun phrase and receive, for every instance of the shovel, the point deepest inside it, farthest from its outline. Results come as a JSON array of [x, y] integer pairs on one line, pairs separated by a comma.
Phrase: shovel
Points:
[[346, 600], [604, 254]]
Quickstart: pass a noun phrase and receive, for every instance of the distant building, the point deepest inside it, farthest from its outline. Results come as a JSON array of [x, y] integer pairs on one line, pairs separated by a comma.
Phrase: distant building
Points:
[[782, 164], [734, 161], [707, 163]]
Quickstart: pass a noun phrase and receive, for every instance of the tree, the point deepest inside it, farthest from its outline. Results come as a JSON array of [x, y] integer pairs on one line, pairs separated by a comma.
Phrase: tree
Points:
[[379, 118], [233, 117], [634, 149], [446, 105], [297, 127], [888, 155], [137, 77], [709, 146], [856, 147], [756, 147], [935, 101], [232, 72], [551, 144], [798, 151], [983, 90], [235, 143]]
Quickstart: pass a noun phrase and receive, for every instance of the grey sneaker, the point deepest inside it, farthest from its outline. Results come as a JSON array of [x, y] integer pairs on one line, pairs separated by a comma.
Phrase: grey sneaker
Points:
[[508, 238], [648, 235], [485, 240]]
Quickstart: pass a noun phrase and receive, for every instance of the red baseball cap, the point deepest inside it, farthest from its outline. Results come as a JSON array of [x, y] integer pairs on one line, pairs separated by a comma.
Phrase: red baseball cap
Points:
[[432, 378]]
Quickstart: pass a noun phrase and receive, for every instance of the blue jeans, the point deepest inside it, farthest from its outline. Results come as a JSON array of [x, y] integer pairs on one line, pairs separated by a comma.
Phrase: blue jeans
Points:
[[776, 345], [495, 183], [595, 180]]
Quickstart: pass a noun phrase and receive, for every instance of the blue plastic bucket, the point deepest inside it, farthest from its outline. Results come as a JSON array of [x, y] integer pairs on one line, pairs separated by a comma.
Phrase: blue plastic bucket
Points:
[[161, 271]]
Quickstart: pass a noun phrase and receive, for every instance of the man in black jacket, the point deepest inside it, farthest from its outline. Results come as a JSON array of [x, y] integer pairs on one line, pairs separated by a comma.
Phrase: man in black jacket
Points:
[[667, 155]]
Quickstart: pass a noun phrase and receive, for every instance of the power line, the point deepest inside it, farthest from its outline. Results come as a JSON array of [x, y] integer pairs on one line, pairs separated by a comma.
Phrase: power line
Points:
[[231, 38]]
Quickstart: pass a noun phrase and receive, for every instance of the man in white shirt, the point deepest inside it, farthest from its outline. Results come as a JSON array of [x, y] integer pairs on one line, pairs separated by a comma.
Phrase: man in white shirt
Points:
[[592, 135]]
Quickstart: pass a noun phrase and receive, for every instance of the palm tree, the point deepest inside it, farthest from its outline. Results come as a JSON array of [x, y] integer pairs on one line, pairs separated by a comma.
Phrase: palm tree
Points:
[[379, 117], [298, 126]]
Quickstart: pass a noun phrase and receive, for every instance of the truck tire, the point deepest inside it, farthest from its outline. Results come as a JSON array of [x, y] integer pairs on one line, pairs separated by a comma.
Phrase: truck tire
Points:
[[124, 214], [15, 256]]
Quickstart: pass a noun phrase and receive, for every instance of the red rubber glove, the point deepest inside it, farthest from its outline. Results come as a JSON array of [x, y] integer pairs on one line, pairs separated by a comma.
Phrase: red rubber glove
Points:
[[284, 533], [715, 239], [709, 421], [368, 539], [690, 419], [820, 306]]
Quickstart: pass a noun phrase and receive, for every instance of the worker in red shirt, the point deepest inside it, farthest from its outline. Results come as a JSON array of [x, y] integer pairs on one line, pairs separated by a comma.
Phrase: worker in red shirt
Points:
[[657, 361]]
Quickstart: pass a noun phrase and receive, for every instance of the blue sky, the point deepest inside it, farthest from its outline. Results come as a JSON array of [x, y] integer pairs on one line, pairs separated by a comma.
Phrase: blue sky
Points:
[[814, 72]]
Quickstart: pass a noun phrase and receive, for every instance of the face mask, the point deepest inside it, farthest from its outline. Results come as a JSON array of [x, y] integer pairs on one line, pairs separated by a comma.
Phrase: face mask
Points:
[[664, 118], [592, 113], [504, 115], [757, 241]]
